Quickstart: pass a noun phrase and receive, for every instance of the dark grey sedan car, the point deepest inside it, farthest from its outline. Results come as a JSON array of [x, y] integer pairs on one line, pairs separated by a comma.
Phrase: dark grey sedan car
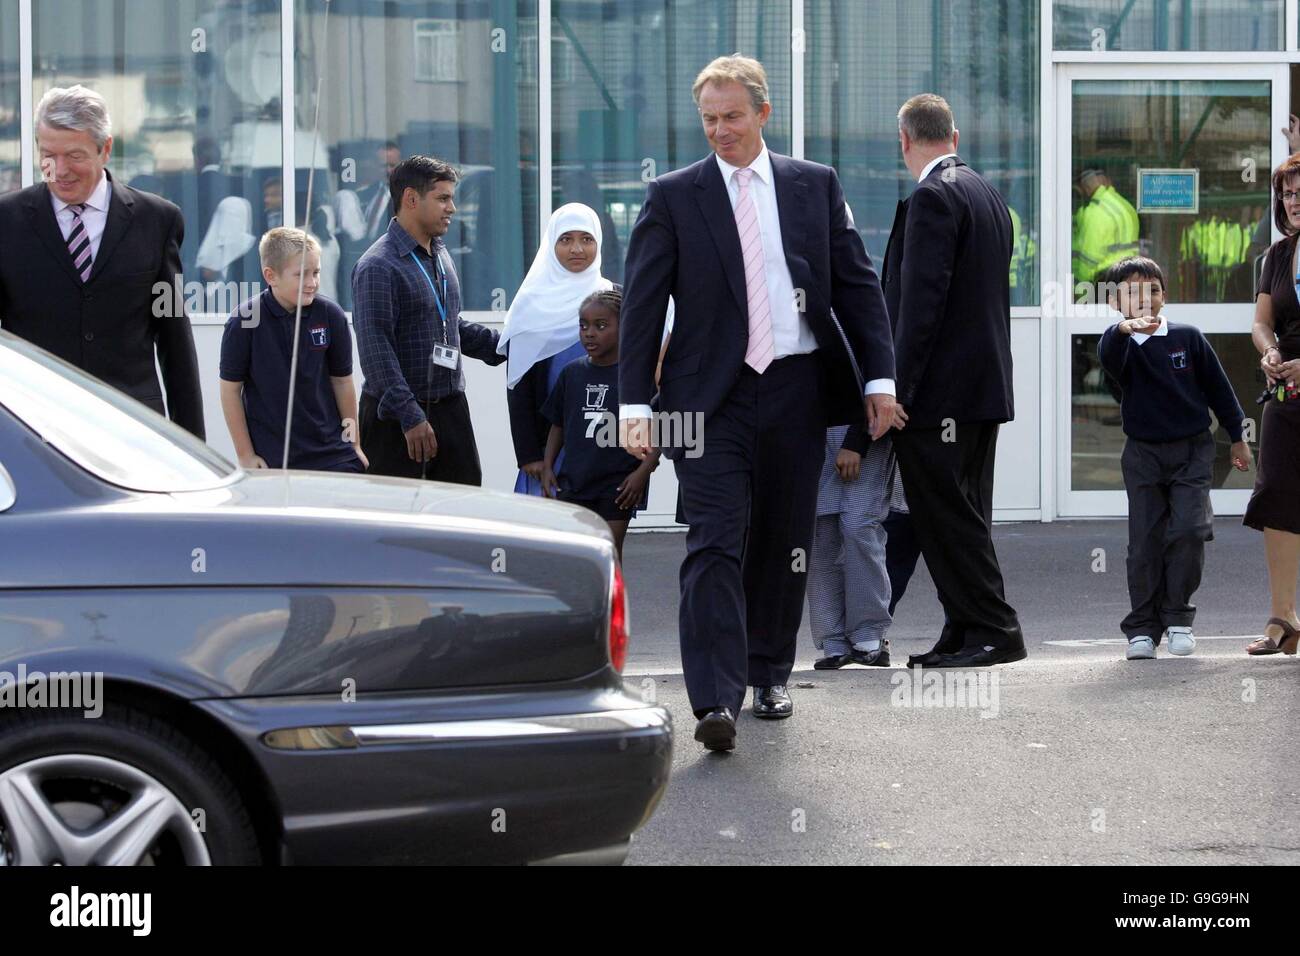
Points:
[[203, 665]]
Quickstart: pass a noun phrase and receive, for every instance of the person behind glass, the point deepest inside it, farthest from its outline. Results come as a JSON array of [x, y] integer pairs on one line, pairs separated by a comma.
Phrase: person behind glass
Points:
[[1169, 378], [1274, 506], [415, 420], [541, 332], [582, 409], [84, 289], [256, 359]]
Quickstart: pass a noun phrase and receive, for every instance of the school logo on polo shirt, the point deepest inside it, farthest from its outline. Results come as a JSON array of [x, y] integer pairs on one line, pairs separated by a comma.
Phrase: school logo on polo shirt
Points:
[[320, 336], [1179, 358]]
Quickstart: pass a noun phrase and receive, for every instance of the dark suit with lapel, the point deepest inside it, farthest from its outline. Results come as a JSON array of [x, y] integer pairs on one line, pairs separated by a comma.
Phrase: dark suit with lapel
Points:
[[109, 325], [948, 290], [750, 497]]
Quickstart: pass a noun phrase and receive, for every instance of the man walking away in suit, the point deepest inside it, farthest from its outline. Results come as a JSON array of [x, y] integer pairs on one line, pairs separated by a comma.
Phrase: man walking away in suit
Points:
[[780, 331], [949, 295], [86, 287]]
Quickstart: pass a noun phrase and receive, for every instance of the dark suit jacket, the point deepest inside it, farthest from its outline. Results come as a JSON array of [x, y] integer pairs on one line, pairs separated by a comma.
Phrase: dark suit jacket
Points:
[[685, 244], [947, 285], [108, 326]]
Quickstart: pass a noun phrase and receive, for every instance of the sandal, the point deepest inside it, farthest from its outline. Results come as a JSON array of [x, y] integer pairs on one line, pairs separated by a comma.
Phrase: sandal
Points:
[[1267, 645]]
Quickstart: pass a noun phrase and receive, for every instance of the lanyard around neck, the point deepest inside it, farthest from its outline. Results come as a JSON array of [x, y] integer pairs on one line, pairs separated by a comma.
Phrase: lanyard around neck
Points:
[[442, 279]]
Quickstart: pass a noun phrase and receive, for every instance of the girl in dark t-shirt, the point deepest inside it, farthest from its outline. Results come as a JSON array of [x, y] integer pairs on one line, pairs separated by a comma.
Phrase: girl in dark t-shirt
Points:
[[583, 412]]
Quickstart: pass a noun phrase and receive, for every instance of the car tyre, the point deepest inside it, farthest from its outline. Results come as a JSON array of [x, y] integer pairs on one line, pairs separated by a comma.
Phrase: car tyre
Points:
[[121, 788]]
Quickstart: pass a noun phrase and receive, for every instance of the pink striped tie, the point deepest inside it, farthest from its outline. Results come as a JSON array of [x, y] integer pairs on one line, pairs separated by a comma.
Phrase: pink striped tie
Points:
[[759, 353], [79, 242]]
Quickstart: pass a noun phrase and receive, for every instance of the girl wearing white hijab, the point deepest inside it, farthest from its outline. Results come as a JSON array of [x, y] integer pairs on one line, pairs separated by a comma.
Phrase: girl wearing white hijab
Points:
[[541, 333]]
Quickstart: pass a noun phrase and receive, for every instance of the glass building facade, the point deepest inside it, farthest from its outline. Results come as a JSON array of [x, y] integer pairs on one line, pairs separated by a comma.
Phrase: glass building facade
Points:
[[251, 113]]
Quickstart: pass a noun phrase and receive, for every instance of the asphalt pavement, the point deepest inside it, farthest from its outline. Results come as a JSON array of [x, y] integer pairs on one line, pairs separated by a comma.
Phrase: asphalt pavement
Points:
[[1072, 756]]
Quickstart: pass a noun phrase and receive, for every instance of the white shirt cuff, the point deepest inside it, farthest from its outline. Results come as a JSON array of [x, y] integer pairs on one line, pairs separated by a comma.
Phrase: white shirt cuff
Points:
[[880, 386], [634, 411]]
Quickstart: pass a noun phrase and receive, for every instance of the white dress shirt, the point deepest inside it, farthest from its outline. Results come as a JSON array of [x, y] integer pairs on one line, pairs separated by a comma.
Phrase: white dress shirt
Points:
[[95, 215], [933, 163], [791, 333]]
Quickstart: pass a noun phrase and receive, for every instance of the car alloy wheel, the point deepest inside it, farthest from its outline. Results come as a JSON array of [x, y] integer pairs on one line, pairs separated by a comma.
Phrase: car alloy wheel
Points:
[[86, 810]]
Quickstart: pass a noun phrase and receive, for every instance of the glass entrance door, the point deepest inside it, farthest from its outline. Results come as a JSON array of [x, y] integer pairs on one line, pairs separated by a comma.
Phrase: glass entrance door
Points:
[[1171, 162]]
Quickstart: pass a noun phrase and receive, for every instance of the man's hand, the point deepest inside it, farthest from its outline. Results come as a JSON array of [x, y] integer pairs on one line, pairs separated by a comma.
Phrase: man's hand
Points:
[[849, 464], [880, 414], [421, 442], [249, 462], [634, 436], [1239, 455]]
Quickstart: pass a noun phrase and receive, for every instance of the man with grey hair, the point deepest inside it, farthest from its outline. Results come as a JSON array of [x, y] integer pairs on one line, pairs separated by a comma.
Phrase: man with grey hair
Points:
[[946, 277], [780, 331], [87, 288]]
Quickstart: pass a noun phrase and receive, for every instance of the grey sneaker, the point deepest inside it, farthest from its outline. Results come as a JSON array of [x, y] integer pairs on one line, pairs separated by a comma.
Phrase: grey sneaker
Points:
[[1181, 640], [1141, 649]]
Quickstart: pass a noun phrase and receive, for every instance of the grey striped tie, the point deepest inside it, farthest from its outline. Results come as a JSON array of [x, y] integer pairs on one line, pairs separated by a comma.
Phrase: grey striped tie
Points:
[[79, 242]]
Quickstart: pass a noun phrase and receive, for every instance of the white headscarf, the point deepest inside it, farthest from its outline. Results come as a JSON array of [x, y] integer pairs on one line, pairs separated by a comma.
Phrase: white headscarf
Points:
[[543, 318]]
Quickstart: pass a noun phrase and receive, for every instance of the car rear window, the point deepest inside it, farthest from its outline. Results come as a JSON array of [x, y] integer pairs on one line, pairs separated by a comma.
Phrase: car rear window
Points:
[[100, 429]]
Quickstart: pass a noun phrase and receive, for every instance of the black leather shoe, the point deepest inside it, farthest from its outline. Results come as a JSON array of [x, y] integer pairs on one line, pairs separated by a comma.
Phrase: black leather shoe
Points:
[[717, 730], [877, 658], [772, 703], [832, 663], [928, 659], [982, 657]]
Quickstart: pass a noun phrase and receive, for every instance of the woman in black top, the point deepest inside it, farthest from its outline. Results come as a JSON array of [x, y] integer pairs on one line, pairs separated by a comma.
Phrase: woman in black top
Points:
[[1275, 502]]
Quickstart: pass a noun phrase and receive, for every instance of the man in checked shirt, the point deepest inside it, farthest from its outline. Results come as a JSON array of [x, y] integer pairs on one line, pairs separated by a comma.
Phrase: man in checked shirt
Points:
[[406, 310]]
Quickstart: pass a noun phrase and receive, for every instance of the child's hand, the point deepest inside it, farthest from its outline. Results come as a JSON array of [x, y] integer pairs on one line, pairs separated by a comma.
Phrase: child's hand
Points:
[[1141, 326], [550, 487], [849, 464], [534, 469], [632, 489], [1240, 456], [248, 462], [361, 457]]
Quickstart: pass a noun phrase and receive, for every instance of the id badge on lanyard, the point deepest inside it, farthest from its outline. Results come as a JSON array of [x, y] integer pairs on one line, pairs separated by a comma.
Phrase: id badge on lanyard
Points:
[[444, 354]]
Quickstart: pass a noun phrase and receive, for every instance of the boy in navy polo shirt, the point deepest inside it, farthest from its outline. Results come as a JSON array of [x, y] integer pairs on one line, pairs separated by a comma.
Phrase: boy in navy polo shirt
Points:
[[583, 411], [1170, 378], [255, 362]]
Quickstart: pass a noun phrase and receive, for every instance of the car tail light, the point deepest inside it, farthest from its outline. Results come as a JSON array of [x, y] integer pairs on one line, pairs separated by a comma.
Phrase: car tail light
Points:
[[617, 621]]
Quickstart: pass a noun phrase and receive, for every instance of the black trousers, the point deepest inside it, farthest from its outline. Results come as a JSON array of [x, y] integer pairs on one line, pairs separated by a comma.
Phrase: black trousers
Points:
[[902, 551], [1169, 521], [750, 501], [384, 443], [949, 488]]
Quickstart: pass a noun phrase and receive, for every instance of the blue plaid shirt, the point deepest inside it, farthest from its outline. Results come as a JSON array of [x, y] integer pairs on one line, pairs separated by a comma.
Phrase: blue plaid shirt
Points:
[[397, 324]]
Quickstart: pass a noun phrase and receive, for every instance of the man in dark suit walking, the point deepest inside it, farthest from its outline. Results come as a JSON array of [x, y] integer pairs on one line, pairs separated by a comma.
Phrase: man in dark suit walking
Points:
[[780, 330], [947, 287], [97, 286]]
